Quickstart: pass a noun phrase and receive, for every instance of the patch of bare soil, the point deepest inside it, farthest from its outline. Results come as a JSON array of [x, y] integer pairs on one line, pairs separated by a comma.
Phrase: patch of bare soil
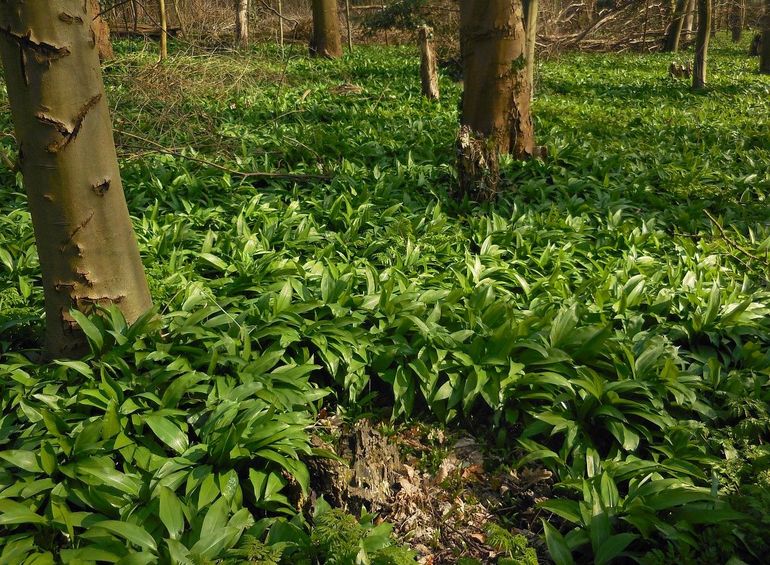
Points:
[[440, 491]]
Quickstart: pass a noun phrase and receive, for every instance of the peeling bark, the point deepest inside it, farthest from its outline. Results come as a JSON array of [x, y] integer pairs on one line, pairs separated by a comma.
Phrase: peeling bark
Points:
[[326, 40], [496, 102], [87, 249], [428, 65]]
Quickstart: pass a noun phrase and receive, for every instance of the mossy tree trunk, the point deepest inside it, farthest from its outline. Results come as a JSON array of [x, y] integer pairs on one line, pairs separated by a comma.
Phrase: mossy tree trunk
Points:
[[495, 115], [242, 22], [764, 44], [85, 241], [531, 8], [674, 30], [326, 40], [702, 45]]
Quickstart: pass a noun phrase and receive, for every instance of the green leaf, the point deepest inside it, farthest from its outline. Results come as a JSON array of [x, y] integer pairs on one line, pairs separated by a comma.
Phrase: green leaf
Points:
[[94, 335], [171, 513], [557, 547], [613, 547], [567, 509], [26, 460], [12, 512], [167, 432], [130, 532]]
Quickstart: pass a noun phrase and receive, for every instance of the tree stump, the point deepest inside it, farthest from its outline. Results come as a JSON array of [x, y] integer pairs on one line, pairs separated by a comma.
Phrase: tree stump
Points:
[[428, 66]]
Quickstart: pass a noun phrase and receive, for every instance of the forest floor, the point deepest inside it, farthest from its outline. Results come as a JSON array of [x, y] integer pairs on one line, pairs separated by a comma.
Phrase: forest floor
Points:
[[586, 359]]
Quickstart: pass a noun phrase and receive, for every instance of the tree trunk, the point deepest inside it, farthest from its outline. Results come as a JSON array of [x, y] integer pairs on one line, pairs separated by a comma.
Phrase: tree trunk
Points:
[[495, 115], [179, 19], [101, 31], [428, 67], [326, 40], [531, 9], [674, 30], [85, 241], [702, 45], [349, 25], [280, 26], [163, 31], [689, 19], [737, 19], [764, 46], [242, 22]]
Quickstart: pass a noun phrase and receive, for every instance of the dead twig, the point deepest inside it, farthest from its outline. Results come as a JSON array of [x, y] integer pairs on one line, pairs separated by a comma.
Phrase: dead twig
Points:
[[727, 238]]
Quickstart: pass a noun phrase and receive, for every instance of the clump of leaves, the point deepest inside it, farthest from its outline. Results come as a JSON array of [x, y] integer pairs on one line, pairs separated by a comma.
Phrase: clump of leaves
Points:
[[515, 547], [339, 538]]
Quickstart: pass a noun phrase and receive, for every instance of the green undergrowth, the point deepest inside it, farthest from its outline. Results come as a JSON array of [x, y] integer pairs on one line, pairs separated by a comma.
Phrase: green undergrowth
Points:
[[607, 318]]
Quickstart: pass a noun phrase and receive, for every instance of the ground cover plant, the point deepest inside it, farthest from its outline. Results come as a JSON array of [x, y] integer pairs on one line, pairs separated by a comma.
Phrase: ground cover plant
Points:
[[606, 319]]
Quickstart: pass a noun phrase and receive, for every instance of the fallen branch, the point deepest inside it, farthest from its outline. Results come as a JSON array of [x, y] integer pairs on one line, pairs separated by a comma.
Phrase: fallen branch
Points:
[[243, 174]]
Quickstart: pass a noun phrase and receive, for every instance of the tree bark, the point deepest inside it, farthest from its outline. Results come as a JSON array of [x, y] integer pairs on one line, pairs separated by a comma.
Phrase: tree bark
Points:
[[242, 22], [702, 45], [101, 31], [531, 8], [349, 25], [87, 249], [495, 116], [689, 19], [674, 30], [428, 66], [737, 19], [764, 46], [163, 31], [280, 26], [326, 40]]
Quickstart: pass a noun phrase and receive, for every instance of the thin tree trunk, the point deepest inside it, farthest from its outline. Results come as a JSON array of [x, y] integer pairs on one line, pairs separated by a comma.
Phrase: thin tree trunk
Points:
[[180, 21], [135, 12], [326, 41], [101, 31], [702, 45], [689, 19], [349, 25], [85, 241], [280, 26], [674, 30], [428, 67], [163, 31], [495, 115], [531, 8], [242, 22], [764, 47]]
